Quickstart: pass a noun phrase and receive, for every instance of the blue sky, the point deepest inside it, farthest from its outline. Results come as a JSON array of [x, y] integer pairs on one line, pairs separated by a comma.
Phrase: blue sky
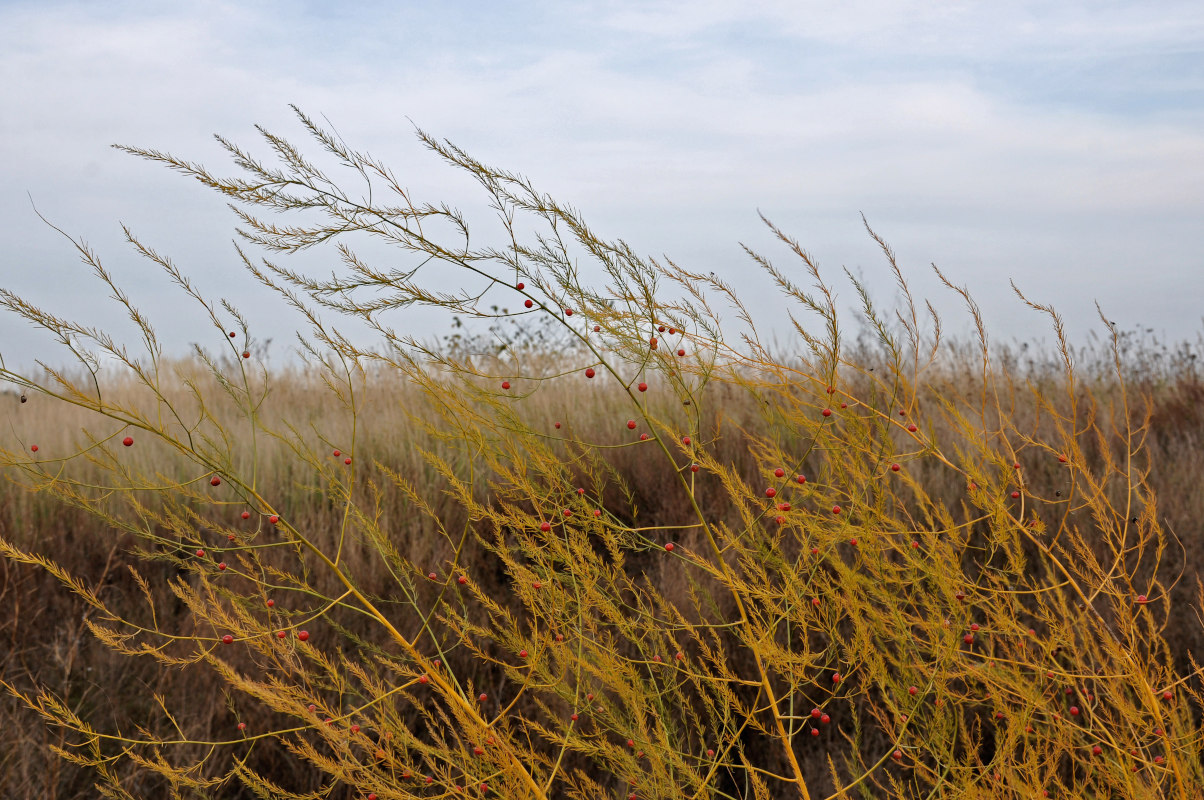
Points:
[[1060, 145]]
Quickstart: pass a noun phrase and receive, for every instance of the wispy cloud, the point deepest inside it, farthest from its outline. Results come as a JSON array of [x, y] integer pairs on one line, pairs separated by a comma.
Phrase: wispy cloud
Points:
[[1057, 143]]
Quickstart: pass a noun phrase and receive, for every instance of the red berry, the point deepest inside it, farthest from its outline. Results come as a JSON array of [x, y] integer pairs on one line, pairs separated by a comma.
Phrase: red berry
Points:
[[801, 479], [825, 719], [483, 697], [915, 545], [968, 638], [643, 437], [898, 754], [912, 428], [222, 565], [303, 636], [128, 441], [643, 387], [522, 653], [694, 468], [545, 526], [894, 467], [770, 492], [827, 412], [215, 481], [520, 286], [462, 580], [227, 639], [652, 342], [853, 542], [273, 519], [200, 553], [1015, 495], [1097, 750], [589, 373], [1016, 465], [835, 509], [660, 328], [631, 424], [423, 679], [669, 547], [681, 352], [1141, 598], [911, 690], [280, 634], [242, 726], [557, 426], [779, 472], [1074, 711], [33, 448], [245, 515], [597, 328], [1167, 695], [528, 303], [815, 602], [574, 717], [568, 312], [1062, 459], [960, 596], [232, 334], [835, 679], [246, 354], [815, 713], [505, 384], [974, 626]]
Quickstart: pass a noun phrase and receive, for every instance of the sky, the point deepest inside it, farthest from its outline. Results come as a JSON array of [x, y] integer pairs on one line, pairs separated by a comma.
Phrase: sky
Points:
[[1057, 145]]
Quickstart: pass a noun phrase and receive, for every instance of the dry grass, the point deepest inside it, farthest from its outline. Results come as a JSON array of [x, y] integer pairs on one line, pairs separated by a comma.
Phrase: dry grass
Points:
[[418, 570]]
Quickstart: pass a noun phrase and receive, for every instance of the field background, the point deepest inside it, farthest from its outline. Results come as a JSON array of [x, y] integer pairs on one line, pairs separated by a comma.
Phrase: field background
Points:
[[44, 640]]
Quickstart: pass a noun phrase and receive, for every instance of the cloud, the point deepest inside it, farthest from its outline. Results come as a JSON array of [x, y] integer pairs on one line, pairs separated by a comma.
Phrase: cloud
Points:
[[1041, 141]]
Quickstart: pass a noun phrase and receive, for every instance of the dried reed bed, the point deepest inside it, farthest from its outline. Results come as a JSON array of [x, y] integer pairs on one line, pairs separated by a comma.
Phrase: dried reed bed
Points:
[[45, 640]]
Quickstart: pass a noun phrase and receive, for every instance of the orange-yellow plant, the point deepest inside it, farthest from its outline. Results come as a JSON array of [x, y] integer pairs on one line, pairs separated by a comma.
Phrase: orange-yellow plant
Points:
[[882, 583]]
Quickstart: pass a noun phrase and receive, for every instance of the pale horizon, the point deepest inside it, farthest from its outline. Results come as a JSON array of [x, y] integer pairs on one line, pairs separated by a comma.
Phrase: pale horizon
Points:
[[1057, 145]]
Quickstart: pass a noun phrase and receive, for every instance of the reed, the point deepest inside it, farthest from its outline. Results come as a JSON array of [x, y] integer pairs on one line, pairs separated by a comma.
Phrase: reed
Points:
[[616, 548]]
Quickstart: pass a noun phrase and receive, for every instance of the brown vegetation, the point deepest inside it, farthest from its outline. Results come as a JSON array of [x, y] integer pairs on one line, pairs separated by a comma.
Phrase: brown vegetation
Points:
[[1036, 549]]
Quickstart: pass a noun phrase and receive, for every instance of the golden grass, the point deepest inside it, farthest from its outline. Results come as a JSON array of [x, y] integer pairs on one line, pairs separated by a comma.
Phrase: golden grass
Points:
[[646, 600]]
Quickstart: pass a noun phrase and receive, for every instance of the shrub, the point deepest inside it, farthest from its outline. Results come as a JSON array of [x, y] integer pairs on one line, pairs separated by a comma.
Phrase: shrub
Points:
[[887, 570]]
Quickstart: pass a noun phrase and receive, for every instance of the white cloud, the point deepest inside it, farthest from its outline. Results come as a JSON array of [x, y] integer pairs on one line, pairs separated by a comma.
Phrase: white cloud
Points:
[[666, 124]]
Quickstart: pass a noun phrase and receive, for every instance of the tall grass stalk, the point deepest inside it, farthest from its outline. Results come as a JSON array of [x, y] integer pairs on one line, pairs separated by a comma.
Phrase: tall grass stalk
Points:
[[656, 559]]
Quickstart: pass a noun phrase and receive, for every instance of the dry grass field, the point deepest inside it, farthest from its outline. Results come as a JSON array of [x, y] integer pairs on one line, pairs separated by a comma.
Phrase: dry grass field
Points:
[[622, 556], [46, 643]]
